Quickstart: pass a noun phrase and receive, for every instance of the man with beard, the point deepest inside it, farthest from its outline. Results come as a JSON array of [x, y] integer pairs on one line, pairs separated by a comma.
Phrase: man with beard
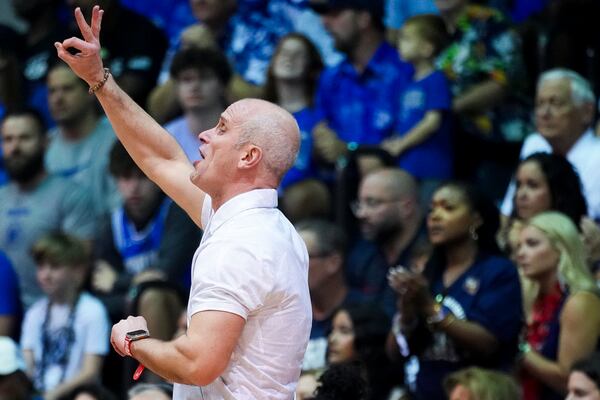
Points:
[[35, 202], [81, 141], [359, 96], [391, 224]]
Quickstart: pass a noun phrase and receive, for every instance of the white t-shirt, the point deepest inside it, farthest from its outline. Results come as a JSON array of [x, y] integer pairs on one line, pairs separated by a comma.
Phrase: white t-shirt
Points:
[[585, 157], [251, 262], [92, 334]]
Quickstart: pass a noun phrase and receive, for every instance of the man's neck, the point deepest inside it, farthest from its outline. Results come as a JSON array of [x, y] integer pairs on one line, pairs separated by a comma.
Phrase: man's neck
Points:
[[562, 145], [328, 297], [422, 68], [199, 120], [80, 128], [67, 297], [365, 49], [291, 95], [34, 182]]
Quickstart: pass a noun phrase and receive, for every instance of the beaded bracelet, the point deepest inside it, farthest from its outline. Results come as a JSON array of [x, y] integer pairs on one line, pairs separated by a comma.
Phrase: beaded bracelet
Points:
[[98, 85]]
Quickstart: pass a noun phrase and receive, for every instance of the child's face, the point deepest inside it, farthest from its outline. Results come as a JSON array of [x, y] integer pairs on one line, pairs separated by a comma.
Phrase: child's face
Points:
[[57, 281], [341, 339], [410, 45]]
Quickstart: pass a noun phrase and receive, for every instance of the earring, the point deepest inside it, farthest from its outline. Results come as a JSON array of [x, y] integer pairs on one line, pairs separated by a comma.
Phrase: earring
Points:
[[473, 233]]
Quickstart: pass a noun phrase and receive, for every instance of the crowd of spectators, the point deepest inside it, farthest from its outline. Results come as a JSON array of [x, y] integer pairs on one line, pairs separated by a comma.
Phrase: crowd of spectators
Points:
[[447, 189]]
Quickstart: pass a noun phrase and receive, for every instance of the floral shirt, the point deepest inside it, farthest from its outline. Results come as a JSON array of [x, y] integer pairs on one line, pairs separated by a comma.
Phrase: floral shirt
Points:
[[484, 47]]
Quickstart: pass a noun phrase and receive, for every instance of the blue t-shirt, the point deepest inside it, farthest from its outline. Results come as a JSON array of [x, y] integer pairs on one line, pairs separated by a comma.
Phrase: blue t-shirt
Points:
[[10, 300], [431, 158], [304, 167], [488, 293], [361, 107]]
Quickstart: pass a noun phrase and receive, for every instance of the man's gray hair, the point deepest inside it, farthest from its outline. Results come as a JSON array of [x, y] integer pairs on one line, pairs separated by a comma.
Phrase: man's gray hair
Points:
[[581, 90]]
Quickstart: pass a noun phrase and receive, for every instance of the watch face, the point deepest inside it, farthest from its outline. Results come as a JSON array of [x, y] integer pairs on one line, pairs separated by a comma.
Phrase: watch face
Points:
[[138, 334]]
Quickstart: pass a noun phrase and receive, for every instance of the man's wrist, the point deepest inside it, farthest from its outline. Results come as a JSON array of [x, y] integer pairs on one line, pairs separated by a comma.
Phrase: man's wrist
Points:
[[134, 336]]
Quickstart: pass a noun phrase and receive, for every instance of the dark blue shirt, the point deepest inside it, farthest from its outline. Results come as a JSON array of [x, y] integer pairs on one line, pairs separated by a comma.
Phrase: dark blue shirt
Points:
[[432, 158], [489, 294], [304, 166], [361, 107]]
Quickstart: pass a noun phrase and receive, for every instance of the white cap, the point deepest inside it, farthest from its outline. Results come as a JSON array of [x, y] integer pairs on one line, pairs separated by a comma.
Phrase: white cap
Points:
[[11, 359]]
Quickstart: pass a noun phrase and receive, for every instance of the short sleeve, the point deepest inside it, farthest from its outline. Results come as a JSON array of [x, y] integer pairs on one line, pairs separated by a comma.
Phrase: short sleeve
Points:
[[438, 93], [32, 323], [97, 336], [233, 281]]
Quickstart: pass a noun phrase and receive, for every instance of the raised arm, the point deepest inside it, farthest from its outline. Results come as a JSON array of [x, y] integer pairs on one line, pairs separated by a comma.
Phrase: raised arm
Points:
[[152, 148]]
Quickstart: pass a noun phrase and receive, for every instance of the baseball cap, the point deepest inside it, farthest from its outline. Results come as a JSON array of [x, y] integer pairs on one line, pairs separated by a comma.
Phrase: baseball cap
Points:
[[11, 359], [375, 7]]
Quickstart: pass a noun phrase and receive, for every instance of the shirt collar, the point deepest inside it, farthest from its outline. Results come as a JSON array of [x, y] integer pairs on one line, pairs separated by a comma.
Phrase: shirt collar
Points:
[[374, 65], [257, 198]]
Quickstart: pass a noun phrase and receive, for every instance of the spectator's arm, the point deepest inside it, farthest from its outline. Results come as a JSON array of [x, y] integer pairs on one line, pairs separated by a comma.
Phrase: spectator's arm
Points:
[[479, 97], [7, 325], [426, 127], [89, 372], [579, 323]]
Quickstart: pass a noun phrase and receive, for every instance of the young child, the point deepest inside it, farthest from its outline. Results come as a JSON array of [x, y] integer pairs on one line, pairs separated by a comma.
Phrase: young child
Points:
[[422, 142], [65, 334]]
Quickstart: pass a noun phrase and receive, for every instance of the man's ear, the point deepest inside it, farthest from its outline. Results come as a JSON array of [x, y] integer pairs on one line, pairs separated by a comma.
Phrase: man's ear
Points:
[[251, 157], [587, 113]]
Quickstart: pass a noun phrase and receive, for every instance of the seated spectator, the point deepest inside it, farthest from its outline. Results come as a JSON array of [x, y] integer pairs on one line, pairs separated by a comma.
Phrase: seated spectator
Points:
[[584, 379], [564, 326], [291, 83], [484, 66], [480, 384], [201, 76], [136, 61], [144, 251], [10, 299], [564, 111], [35, 202], [150, 391], [326, 244], [391, 225], [422, 142], [357, 337], [358, 98], [90, 391], [65, 334], [465, 310]]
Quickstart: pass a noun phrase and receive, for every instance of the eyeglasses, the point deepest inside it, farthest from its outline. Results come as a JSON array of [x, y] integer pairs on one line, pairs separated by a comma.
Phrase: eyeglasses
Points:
[[369, 204]]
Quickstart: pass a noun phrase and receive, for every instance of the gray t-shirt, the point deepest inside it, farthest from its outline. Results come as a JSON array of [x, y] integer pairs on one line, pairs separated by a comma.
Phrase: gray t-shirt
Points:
[[25, 216], [86, 162]]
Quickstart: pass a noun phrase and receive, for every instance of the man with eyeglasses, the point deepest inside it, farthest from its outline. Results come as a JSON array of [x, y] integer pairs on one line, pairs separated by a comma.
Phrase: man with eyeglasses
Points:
[[392, 234], [564, 112]]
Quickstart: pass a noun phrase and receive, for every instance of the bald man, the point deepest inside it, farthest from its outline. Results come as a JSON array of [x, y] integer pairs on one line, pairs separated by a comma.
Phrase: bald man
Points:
[[391, 225], [249, 311]]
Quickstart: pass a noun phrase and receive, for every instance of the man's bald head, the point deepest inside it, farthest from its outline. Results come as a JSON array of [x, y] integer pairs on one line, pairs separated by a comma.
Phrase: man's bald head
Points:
[[395, 182], [271, 128]]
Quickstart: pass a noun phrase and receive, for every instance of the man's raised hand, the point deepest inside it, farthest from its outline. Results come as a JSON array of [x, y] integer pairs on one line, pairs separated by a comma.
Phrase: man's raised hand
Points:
[[87, 63]]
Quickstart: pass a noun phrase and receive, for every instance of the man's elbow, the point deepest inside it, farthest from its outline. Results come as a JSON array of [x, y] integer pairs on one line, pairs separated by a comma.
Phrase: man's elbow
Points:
[[203, 374]]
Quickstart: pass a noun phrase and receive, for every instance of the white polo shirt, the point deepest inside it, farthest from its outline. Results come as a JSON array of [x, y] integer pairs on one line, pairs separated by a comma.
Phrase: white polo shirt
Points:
[[251, 262], [585, 157]]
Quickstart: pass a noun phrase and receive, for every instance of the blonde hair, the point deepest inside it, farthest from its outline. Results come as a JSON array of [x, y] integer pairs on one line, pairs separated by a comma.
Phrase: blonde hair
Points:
[[564, 237], [483, 384]]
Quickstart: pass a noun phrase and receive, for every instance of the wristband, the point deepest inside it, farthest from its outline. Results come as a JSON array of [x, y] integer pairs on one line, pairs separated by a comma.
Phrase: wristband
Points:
[[132, 337], [98, 85]]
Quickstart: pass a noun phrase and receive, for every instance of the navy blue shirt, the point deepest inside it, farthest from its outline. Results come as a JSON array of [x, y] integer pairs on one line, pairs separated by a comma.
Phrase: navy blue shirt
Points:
[[361, 107], [489, 294], [432, 158]]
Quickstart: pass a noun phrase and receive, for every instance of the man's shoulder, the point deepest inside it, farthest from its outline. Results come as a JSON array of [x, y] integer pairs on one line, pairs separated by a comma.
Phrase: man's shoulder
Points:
[[534, 143]]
